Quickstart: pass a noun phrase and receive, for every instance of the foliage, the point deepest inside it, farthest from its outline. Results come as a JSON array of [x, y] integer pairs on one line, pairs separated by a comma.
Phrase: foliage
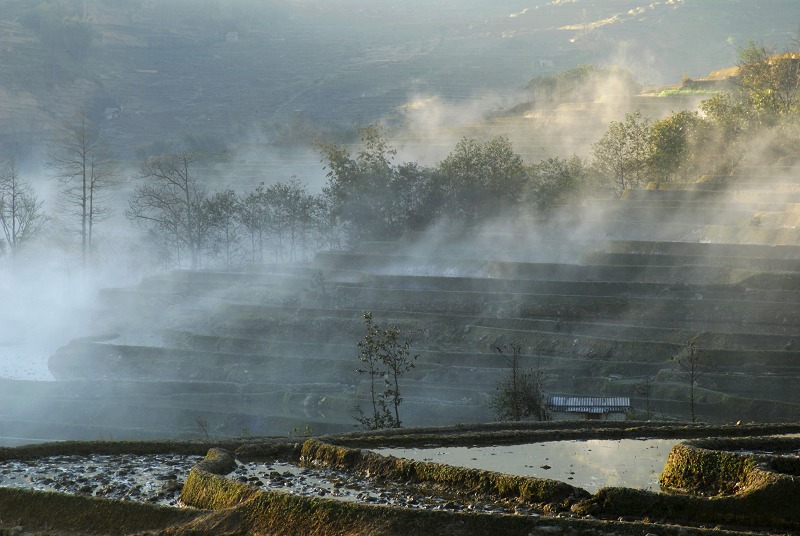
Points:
[[223, 228], [519, 393], [371, 197], [718, 140], [358, 188], [481, 179], [556, 181], [621, 155], [672, 140], [384, 357], [771, 81]]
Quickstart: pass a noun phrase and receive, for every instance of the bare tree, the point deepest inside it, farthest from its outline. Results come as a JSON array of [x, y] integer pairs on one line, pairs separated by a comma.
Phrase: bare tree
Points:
[[689, 360], [85, 172], [21, 215], [169, 201], [519, 393]]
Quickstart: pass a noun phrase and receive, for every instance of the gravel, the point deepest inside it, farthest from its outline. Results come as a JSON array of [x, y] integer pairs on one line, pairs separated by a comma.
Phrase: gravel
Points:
[[160, 478], [154, 479]]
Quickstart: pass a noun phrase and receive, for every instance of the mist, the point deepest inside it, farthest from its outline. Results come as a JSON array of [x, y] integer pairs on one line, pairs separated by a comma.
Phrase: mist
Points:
[[258, 88]]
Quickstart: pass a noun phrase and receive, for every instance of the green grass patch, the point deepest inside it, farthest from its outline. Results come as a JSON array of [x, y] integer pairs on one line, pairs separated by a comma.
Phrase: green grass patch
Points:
[[685, 91]]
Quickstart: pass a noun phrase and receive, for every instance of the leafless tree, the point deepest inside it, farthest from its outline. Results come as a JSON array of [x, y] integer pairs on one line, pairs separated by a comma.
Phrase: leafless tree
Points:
[[689, 361], [21, 215], [169, 200], [519, 393], [85, 172]]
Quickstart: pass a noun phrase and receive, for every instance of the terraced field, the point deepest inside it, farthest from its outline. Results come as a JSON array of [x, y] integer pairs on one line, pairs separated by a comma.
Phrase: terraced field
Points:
[[272, 349]]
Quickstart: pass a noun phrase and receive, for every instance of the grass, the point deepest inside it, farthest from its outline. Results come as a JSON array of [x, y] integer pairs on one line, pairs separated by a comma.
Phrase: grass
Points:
[[711, 484], [230, 507], [684, 91]]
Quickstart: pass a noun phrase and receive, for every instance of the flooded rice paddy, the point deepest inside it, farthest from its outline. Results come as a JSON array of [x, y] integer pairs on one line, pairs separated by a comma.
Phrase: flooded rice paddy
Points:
[[590, 464]]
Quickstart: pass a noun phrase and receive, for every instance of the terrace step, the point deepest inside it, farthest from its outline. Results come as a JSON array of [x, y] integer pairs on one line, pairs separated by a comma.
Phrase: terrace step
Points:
[[765, 195], [607, 316]]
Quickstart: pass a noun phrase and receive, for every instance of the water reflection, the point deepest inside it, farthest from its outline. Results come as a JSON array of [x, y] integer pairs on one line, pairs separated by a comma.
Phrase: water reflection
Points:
[[591, 465]]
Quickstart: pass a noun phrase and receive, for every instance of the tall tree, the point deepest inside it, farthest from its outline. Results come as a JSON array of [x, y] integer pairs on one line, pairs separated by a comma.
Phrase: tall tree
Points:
[[168, 201], [255, 215], [672, 140], [520, 395], [771, 81], [293, 212], [481, 179], [21, 215], [621, 155], [418, 196], [556, 181], [222, 215], [690, 362], [384, 357], [85, 172], [359, 188]]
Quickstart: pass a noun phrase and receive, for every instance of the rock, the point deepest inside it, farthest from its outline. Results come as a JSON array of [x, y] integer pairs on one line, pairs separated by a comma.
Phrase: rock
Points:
[[218, 461]]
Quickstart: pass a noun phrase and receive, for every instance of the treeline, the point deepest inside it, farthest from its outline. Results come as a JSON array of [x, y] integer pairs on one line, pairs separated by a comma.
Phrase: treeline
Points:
[[753, 124], [369, 196], [282, 222]]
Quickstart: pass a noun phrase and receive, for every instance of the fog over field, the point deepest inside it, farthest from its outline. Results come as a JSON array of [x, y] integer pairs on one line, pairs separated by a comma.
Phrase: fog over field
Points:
[[279, 100]]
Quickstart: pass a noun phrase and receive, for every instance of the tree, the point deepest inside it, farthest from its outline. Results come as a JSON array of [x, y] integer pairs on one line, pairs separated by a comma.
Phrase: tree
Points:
[[721, 141], [221, 214], [294, 215], [384, 357], [672, 141], [85, 173], [771, 81], [519, 393], [481, 179], [621, 155], [169, 200], [359, 188], [369, 355], [555, 181], [254, 213], [690, 362], [397, 359], [21, 216], [418, 197]]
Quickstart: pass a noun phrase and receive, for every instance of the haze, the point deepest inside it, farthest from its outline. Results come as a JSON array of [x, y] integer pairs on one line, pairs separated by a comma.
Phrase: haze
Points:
[[215, 341]]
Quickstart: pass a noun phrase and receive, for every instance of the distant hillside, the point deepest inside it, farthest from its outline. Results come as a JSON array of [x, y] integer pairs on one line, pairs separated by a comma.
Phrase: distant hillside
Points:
[[226, 70]]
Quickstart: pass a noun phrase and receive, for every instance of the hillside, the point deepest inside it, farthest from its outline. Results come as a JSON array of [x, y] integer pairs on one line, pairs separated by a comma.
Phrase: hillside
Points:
[[604, 312], [602, 298], [160, 71]]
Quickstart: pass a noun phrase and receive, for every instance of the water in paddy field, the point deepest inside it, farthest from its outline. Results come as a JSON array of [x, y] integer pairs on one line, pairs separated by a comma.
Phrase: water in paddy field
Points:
[[591, 464], [25, 362]]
